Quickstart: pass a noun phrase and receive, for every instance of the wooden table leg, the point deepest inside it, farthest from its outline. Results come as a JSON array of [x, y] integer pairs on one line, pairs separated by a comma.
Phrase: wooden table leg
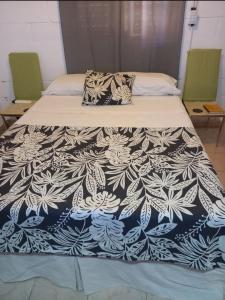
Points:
[[207, 122], [5, 123], [220, 130]]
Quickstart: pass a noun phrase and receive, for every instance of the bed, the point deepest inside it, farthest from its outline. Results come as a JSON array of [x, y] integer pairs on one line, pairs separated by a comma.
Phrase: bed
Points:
[[185, 225]]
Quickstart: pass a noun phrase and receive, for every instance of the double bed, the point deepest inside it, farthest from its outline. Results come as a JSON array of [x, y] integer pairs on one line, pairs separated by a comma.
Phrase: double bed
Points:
[[108, 203]]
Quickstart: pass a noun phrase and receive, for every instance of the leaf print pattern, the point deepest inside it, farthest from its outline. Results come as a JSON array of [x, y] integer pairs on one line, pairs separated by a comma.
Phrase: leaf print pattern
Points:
[[107, 89], [134, 194], [99, 204], [108, 233]]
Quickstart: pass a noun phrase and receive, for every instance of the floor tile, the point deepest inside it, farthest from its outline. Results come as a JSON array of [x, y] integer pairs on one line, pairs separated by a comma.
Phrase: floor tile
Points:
[[221, 176], [218, 160]]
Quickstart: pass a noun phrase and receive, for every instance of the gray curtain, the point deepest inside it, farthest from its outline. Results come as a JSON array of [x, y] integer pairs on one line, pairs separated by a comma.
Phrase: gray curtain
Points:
[[122, 35]]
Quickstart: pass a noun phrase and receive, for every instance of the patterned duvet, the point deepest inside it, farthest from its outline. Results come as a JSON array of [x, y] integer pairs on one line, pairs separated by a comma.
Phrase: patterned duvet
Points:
[[134, 194]]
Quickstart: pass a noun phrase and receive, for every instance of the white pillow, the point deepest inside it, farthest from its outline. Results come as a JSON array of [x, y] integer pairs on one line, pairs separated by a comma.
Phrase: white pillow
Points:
[[153, 84], [66, 85], [145, 84]]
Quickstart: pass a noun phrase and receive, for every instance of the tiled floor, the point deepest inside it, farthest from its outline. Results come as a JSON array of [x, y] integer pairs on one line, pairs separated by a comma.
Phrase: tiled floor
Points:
[[208, 137], [216, 153]]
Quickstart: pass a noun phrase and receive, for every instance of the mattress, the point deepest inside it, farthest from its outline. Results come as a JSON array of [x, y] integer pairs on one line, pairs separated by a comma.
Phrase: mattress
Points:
[[155, 278]]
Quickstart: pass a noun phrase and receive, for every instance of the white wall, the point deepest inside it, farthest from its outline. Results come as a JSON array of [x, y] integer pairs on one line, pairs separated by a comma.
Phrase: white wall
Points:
[[30, 26], [209, 33], [35, 26]]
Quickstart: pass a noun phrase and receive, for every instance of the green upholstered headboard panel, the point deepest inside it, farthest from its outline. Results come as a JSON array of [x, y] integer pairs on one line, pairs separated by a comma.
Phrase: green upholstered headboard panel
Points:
[[202, 72], [26, 75]]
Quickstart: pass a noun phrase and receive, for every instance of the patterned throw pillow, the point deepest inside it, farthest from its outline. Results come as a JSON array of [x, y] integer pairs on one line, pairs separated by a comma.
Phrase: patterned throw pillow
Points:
[[107, 89]]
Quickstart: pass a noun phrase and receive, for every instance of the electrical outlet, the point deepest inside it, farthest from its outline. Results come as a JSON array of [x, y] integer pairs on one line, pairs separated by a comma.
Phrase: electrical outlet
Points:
[[193, 20]]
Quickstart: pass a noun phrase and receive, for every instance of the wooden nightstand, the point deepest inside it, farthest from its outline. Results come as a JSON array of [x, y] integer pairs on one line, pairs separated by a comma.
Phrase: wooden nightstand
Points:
[[14, 110], [193, 106]]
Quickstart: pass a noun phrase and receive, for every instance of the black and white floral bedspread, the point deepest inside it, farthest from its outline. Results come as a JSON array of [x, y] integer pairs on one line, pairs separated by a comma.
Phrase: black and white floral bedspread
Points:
[[135, 194]]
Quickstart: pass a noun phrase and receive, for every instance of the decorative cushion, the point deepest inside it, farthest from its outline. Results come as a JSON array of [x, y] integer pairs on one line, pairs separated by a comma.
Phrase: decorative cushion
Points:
[[107, 89]]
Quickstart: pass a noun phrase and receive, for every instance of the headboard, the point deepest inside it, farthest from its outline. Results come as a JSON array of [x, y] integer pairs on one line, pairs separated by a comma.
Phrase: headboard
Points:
[[113, 36]]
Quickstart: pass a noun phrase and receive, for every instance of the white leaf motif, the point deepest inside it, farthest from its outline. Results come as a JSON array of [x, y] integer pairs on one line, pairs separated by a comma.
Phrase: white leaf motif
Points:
[[137, 247], [206, 202], [14, 210], [183, 184], [129, 209], [99, 204], [218, 218], [99, 175], [91, 184], [133, 235], [16, 238], [211, 187], [145, 214], [161, 229], [190, 195], [108, 233], [78, 196], [132, 187], [7, 229], [32, 221], [145, 169]]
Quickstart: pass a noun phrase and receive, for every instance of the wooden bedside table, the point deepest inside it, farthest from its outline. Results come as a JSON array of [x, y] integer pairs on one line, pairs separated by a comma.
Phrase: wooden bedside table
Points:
[[191, 106], [14, 110]]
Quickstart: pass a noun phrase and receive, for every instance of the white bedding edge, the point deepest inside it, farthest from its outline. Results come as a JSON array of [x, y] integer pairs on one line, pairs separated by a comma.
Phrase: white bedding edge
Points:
[[145, 111]]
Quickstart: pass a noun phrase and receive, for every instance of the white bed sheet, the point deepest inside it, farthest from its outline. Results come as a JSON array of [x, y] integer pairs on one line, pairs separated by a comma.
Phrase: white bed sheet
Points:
[[162, 280], [145, 111]]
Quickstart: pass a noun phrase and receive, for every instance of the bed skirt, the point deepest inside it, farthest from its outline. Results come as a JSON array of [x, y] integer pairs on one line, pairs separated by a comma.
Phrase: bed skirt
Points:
[[31, 277], [40, 288]]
